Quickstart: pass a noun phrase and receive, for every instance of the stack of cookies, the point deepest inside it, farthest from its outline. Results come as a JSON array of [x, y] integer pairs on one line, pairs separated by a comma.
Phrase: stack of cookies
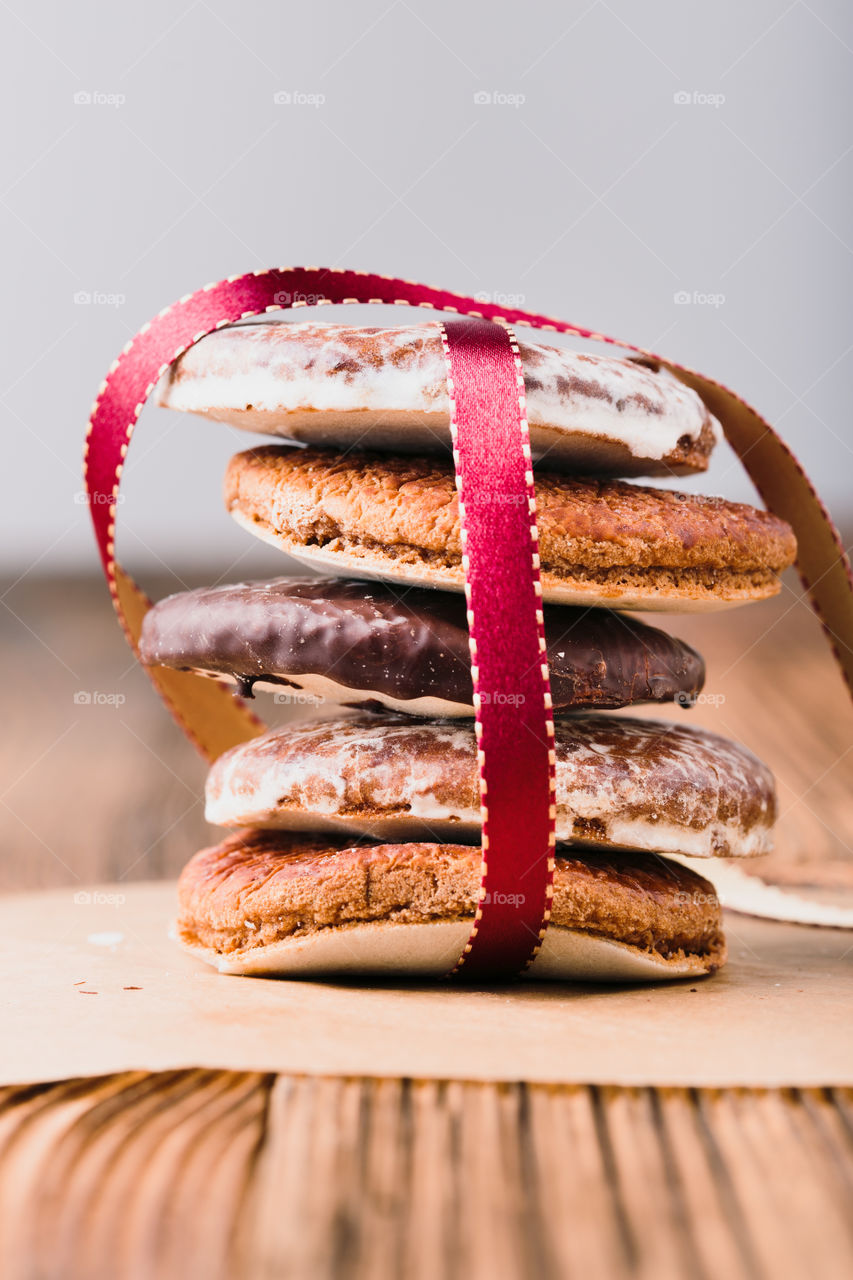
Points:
[[355, 834]]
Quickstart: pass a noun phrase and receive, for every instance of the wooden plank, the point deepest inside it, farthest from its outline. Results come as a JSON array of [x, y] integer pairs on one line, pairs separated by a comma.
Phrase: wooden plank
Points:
[[630, 1136], [191, 1174], [712, 1223], [130, 1176], [574, 1194], [430, 1245]]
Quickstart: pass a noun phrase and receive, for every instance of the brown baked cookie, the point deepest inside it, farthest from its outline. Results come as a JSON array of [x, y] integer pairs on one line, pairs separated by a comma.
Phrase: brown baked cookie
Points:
[[621, 783], [273, 903], [386, 388], [367, 644], [601, 542]]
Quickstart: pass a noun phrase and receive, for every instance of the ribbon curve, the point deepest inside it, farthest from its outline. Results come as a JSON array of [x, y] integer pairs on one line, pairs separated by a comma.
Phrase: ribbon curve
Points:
[[497, 511]]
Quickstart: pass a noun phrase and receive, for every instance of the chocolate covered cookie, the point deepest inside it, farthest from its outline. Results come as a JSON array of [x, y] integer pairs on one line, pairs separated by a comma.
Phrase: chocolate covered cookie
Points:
[[367, 644]]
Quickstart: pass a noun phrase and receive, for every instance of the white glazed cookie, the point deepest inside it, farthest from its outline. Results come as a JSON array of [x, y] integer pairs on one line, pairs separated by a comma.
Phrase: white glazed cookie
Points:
[[621, 783], [386, 389]]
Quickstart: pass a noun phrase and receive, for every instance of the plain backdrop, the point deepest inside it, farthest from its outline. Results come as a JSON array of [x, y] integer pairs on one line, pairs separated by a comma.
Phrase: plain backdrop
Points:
[[675, 173]]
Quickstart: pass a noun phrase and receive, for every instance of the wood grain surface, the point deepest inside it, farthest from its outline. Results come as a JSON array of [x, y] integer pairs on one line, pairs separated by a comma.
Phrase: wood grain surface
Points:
[[202, 1175], [219, 1174]]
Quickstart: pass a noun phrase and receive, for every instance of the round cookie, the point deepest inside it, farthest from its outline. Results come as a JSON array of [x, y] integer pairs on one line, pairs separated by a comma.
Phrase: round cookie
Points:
[[386, 388], [365, 644], [622, 783], [601, 542], [273, 903]]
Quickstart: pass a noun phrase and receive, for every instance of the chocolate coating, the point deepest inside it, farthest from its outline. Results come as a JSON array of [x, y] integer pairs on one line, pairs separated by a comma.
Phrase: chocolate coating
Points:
[[372, 640]]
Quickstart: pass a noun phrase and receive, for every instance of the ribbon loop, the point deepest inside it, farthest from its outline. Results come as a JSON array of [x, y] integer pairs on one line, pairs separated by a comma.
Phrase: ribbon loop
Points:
[[494, 475]]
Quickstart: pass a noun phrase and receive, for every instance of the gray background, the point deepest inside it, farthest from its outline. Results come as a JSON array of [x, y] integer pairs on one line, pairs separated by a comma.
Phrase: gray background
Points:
[[594, 194]]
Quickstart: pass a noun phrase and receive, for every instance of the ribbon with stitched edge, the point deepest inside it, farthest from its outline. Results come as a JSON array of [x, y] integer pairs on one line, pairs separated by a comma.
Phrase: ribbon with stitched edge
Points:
[[509, 668], [492, 457]]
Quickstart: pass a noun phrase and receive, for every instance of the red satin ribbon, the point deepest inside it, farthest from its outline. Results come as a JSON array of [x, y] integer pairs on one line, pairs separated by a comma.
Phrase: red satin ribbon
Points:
[[509, 668], [512, 698]]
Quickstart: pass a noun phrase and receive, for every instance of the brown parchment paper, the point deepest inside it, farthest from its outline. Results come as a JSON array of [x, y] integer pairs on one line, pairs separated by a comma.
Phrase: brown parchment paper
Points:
[[92, 984]]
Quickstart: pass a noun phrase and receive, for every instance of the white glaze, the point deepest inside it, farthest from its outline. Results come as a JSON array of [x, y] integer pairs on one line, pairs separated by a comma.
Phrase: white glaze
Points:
[[376, 776], [273, 378]]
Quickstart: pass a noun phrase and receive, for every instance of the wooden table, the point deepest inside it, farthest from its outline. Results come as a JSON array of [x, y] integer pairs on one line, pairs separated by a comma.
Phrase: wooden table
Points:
[[215, 1173], [223, 1175]]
